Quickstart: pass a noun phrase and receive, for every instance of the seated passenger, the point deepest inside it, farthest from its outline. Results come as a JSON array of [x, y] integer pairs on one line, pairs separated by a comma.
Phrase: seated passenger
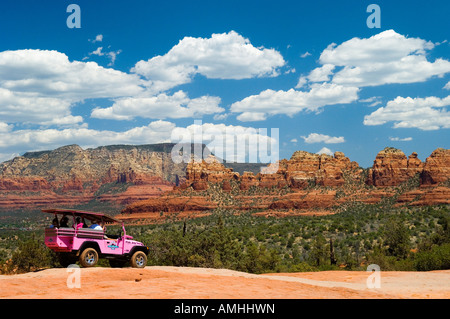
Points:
[[78, 224], [64, 221], [96, 226], [55, 223]]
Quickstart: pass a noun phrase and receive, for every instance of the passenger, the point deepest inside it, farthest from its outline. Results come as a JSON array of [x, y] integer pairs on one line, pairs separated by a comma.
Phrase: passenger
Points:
[[96, 226], [55, 223], [78, 224], [84, 223], [64, 221]]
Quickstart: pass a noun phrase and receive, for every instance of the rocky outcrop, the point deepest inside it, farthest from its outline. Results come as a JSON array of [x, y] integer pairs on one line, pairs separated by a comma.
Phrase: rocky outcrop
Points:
[[248, 180], [309, 182], [426, 196], [24, 184], [146, 175], [171, 204], [305, 200], [391, 168], [437, 167], [104, 173], [304, 169], [199, 173]]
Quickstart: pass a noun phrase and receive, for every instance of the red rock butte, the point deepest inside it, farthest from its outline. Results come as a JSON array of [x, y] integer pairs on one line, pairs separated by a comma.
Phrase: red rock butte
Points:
[[390, 168], [147, 180], [306, 181]]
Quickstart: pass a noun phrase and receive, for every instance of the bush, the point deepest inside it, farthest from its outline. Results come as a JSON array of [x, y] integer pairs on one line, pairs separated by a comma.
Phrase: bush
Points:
[[30, 256], [438, 258], [302, 267], [396, 237], [259, 259]]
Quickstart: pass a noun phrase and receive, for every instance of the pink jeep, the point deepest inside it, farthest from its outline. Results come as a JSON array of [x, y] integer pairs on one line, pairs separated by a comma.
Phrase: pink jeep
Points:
[[86, 244]]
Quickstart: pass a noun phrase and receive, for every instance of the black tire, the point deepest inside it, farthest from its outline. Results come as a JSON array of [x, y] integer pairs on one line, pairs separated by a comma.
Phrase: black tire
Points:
[[66, 259], [138, 260], [114, 263], [89, 257]]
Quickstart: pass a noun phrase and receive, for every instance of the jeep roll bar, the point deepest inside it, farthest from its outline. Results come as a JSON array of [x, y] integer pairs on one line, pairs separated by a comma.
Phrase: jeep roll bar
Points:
[[83, 214], [88, 215]]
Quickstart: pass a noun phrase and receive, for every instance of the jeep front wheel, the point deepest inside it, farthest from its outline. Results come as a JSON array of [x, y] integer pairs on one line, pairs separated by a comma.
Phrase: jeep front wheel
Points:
[[89, 257], [139, 260]]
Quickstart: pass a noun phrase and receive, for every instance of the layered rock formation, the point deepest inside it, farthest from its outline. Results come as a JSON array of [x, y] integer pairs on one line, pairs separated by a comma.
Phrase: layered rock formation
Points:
[[307, 182], [145, 177], [302, 170], [437, 167], [199, 173], [69, 174], [391, 167]]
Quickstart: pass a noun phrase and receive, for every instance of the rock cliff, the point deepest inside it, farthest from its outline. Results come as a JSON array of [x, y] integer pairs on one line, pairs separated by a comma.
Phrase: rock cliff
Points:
[[70, 174], [391, 167], [308, 182], [437, 167], [145, 178], [302, 170]]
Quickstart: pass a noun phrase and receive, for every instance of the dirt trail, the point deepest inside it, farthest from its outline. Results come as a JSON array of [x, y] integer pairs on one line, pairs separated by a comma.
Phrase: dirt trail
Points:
[[193, 283]]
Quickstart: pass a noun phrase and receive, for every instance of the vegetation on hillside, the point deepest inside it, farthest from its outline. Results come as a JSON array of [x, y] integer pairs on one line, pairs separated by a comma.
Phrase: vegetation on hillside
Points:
[[395, 239]]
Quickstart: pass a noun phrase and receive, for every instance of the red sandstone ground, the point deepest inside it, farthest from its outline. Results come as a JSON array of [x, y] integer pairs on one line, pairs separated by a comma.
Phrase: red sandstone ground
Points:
[[204, 283]]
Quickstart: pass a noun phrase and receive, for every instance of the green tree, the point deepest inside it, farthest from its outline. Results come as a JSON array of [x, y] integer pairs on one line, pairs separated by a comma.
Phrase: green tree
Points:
[[319, 254], [259, 259], [438, 258], [396, 237], [32, 255]]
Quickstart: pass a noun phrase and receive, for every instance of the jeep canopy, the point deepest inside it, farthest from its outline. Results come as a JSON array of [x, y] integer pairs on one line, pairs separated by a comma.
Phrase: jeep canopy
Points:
[[83, 214]]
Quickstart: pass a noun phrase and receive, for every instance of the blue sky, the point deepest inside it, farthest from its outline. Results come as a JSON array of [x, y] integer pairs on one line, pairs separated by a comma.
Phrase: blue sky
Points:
[[138, 71]]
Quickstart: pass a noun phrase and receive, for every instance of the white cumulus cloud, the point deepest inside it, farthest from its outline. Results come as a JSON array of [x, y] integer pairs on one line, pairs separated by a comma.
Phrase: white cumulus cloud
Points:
[[322, 138], [387, 57], [42, 139], [399, 139], [234, 143], [222, 56], [41, 86], [270, 102], [161, 106], [50, 73], [423, 113], [326, 151]]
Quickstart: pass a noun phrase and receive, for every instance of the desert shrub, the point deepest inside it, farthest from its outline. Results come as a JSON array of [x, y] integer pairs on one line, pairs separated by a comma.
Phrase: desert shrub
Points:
[[437, 258], [259, 259], [302, 267], [213, 247], [396, 237], [319, 254], [31, 255], [379, 257]]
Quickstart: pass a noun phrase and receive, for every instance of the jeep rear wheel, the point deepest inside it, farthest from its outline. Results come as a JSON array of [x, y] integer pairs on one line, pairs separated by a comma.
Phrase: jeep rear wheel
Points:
[[139, 260], [89, 257]]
